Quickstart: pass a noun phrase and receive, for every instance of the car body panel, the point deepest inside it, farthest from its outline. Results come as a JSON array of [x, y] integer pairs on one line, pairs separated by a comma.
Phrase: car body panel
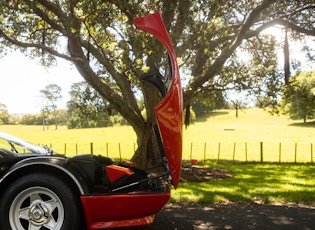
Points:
[[122, 209], [58, 163], [111, 195], [169, 112], [24, 144]]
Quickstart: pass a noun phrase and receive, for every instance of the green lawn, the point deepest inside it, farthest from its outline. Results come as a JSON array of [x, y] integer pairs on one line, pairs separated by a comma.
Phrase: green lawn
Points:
[[106, 141], [267, 183], [260, 182], [236, 138], [252, 127]]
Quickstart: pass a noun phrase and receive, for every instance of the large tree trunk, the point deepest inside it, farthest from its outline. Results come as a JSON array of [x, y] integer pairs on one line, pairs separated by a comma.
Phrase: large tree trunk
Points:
[[147, 154], [286, 52]]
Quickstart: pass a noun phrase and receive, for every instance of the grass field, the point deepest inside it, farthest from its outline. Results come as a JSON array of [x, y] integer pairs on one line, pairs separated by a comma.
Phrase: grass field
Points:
[[105, 140], [263, 183], [258, 182], [220, 135], [252, 128]]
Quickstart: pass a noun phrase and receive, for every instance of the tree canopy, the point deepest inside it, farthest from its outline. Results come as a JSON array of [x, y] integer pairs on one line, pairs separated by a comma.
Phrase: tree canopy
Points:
[[99, 38], [4, 115], [299, 96], [50, 95], [86, 107]]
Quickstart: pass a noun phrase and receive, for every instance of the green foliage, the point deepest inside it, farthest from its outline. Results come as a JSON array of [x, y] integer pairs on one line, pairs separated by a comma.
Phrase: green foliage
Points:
[[37, 119], [31, 119], [4, 115], [101, 34], [265, 183], [265, 78], [299, 96], [206, 102], [87, 108], [50, 95]]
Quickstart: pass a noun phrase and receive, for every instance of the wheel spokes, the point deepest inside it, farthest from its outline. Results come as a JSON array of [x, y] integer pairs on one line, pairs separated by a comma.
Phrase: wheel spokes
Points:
[[51, 205], [35, 197], [34, 227], [24, 213], [40, 208], [51, 224]]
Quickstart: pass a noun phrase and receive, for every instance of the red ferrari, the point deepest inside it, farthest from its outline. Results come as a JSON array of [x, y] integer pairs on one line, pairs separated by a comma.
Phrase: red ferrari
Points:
[[40, 189]]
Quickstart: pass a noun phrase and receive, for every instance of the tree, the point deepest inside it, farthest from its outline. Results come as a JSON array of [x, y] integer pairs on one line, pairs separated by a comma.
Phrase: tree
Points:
[[206, 102], [87, 108], [299, 96], [32, 119], [37, 119], [266, 79], [50, 95], [99, 38], [4, 115]]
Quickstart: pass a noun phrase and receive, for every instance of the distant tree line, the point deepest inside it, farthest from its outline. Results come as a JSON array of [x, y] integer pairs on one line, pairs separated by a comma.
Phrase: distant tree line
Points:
[[88, 109], [85, 109], [298, 97], [4, 115]]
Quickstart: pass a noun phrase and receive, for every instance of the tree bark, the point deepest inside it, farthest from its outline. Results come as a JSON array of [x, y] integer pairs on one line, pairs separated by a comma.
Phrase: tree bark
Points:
[[286, 52]]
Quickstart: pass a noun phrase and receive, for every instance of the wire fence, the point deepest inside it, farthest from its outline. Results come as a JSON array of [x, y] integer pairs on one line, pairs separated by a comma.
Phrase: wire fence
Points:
[[281, 152]]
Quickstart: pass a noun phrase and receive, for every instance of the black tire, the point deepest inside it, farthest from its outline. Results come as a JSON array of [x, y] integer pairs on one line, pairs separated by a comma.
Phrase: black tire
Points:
[[40, 201]]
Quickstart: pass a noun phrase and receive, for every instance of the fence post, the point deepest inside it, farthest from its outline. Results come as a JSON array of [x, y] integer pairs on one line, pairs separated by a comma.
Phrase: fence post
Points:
[[76, 148], [204, 153], [91, 148], [311, 152], [219, 150], [261, 152], [65, 148], [119, 149], [107, 149], [191, 147], [234, 148], [246, 151], [295, 152], [280, 150]]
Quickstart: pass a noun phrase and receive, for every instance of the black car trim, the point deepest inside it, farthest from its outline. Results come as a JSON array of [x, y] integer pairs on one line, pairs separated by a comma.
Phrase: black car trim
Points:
[[39, 161]]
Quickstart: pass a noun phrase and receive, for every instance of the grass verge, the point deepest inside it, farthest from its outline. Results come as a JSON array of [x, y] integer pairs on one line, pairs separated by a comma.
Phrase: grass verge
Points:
[[267, 183]]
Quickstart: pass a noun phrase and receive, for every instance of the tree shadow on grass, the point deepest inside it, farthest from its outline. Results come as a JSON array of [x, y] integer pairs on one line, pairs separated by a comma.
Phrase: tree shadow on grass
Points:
[[310, 124], [205, 117], [248, 201]]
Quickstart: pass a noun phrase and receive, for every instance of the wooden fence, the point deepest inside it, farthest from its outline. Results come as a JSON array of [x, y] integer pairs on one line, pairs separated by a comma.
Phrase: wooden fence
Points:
[[253, 152], [243, 152]]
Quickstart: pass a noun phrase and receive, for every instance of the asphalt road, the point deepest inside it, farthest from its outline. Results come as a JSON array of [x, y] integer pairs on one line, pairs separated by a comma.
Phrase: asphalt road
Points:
[[233, 216]]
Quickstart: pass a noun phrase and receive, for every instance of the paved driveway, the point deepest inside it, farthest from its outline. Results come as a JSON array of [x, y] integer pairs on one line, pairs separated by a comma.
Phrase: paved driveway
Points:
[[233, 216]]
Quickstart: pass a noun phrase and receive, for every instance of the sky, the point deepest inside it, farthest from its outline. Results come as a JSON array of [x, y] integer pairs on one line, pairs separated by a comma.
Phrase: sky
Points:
[[21, 80]]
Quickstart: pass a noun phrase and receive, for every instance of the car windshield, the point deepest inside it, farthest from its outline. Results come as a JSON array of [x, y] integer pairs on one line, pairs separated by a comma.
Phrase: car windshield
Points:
[[17, 145]]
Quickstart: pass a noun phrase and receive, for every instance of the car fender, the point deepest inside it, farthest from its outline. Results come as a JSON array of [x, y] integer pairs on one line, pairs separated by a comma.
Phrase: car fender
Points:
[[54, 165]]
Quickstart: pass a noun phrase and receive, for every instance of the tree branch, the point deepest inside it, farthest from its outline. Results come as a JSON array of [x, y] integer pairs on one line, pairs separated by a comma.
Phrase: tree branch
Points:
[[219, 62], [37, 46], [283, 22]]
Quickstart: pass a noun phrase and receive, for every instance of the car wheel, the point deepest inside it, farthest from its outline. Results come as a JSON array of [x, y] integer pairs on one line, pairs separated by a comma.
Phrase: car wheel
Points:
[[40, 202]]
